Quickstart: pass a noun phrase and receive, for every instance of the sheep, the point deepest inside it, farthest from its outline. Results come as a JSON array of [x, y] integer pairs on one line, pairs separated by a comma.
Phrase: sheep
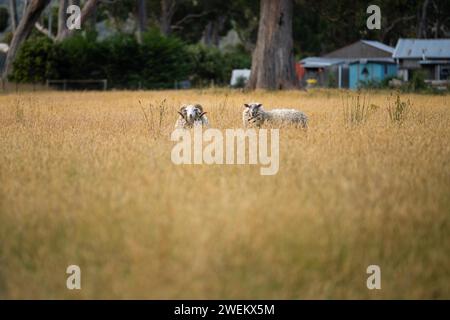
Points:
[[191, 115], [255, 115]]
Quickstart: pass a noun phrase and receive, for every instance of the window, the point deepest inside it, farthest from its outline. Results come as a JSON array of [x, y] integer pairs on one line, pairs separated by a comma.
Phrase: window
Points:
[[445, 72], [365, 72]]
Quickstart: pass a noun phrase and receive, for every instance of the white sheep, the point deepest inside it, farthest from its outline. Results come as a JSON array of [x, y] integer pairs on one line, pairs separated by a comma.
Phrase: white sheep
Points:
[[255, 115], [191, 115]]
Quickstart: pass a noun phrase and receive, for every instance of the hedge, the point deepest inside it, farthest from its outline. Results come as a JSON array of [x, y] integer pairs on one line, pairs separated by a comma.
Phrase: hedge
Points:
[[156, 63]]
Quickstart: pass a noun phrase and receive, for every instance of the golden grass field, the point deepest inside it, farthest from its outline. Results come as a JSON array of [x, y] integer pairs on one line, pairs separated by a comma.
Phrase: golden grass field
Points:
[[86, 179]]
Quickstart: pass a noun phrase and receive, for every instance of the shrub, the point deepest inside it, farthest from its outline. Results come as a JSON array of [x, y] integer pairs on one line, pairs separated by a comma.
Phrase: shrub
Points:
[[32, 61], [159, 62], [122, 65], [164, 61], [79, 58], [417, 82], [357, 109], [398, 109], [207, 65]]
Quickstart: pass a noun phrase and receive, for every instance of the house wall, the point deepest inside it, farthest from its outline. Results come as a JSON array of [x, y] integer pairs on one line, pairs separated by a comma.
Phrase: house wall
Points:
[[409, 64], [376, 72], [431, 71], [328, 77]]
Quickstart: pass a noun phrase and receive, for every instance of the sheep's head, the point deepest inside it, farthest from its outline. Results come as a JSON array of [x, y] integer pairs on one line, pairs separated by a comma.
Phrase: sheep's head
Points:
[[253, 109], [191, 113]]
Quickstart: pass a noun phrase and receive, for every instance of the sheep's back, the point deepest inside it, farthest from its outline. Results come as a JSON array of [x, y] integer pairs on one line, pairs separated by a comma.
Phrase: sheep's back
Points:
[[289, 115]]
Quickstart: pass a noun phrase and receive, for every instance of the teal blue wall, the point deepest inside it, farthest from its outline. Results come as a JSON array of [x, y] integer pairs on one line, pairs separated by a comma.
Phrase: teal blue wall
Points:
[[376, 72]]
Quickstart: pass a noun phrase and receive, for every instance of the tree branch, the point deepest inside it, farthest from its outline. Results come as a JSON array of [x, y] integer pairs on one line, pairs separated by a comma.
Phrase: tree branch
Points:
[[44, 30], [189, 17], [394, 23]]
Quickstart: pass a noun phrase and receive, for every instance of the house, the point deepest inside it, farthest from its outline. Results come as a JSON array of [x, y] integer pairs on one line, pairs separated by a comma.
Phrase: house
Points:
[[372, 70], [362, 49], [431, 56], [325, 72], [333, 69]]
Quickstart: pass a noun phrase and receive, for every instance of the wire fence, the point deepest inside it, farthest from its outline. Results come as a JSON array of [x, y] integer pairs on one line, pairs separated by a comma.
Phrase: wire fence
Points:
[[80, 84]]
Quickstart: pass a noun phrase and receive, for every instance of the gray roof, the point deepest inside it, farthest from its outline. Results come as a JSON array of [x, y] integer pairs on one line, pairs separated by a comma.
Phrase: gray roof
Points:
[[379, 45], [318, 62], [376, 60], [422, 48]]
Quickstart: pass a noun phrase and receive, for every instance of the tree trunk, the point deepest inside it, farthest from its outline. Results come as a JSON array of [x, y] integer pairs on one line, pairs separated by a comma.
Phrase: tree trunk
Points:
[[167, 11], [32, 14], [273, 64], [62, 17], [24, 8], [88, 9], [211, 33], [142, 18], [422, 31], [13, 14]]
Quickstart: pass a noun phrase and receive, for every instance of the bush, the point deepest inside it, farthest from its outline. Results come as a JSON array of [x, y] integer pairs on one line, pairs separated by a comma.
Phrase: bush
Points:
[[164, 60], [122, 65], [209, 64], [33, 63], [79, 58], [357, 109], [398, 110], [158, 62], [417, 82]]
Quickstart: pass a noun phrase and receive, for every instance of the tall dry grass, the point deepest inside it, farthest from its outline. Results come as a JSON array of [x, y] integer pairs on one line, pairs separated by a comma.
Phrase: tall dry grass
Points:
[[86, 179]]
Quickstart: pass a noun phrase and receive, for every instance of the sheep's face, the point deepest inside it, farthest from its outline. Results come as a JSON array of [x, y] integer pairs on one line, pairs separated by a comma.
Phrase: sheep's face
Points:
[[191, 113], [253, 109]]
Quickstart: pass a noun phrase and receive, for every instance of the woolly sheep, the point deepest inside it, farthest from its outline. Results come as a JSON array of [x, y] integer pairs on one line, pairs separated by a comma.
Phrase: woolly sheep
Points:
[[191, 115], [255, 115]]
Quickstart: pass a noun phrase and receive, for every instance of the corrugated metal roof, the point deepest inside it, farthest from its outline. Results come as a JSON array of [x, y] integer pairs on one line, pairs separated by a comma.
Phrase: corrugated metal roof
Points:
[[379, 45], [422, 48], [318, 62], [376, 60]]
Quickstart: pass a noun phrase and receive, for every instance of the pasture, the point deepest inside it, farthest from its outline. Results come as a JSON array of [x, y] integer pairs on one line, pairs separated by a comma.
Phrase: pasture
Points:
[[86, 178]]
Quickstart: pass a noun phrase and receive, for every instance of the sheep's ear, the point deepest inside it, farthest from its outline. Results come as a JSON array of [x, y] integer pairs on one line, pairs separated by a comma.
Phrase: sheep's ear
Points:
[[199, 107], [246, 105], [259, 105]]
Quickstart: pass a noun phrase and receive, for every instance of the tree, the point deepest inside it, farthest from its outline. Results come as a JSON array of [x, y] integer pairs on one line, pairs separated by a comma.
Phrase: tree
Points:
[[32, 14], [13, 14], [422, 25], [273, 64], [168, 8], [62, 27], [88, 9], [142, 18]]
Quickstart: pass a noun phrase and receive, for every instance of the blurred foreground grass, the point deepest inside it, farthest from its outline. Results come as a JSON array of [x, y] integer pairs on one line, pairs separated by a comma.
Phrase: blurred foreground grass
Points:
[[85, 179]]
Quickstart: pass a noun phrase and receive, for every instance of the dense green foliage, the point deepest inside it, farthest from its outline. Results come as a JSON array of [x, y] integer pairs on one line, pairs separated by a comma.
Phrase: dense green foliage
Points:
[[319, 26], [158, 62], [34, 61]]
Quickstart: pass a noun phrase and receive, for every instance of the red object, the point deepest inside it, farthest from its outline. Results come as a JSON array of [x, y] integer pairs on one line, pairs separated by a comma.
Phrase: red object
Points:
[[299, 70]]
